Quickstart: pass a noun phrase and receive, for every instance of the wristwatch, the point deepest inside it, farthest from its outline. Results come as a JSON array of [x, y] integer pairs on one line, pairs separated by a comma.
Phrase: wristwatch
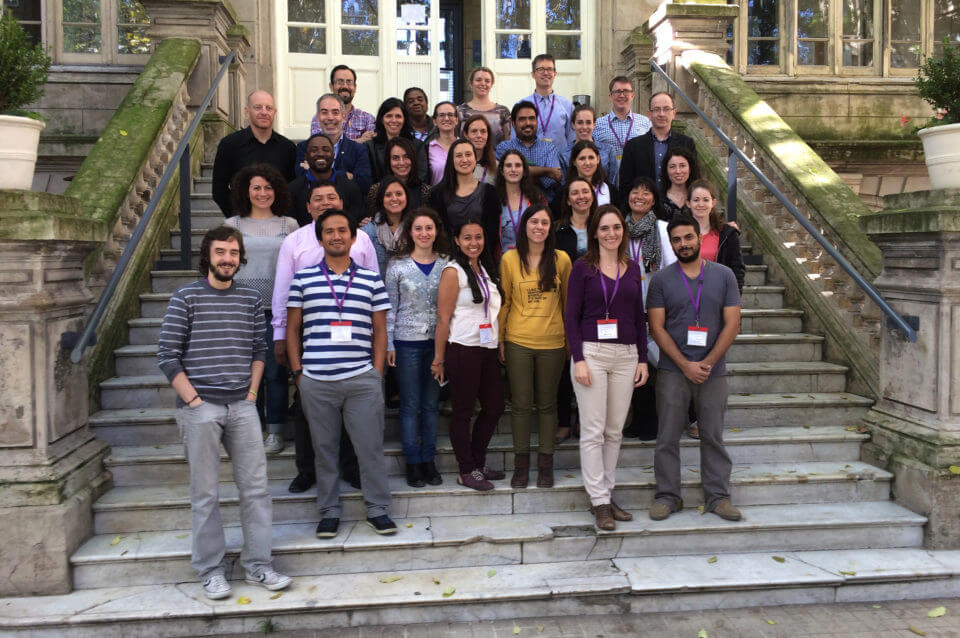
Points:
[[296, 373]]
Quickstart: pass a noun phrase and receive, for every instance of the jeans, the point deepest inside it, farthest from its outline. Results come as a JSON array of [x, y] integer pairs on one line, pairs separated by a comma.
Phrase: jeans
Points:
[[419, 403], [273, 397]]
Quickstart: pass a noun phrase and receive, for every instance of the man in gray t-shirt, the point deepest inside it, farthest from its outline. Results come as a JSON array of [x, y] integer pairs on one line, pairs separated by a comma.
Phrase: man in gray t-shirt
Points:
[[694, 316]]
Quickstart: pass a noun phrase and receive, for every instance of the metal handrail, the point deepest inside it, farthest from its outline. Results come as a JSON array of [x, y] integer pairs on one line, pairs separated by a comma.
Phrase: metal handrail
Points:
[[893, 316], [181, 159]]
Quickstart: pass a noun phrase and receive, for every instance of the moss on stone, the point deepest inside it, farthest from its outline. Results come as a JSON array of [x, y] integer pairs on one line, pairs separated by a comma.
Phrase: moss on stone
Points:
[[868, 151], [31, 215]]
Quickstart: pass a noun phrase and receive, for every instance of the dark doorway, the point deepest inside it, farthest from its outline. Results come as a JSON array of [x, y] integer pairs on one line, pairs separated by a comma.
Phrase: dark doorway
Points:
[[451, 52]]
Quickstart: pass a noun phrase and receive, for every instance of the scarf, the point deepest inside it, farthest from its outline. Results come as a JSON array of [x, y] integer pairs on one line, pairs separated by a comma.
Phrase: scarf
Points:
[[646, 231]]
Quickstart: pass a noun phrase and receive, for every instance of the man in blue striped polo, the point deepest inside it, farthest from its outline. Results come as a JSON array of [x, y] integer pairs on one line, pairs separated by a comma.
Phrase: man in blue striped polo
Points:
[[212, 350], [341, 311]]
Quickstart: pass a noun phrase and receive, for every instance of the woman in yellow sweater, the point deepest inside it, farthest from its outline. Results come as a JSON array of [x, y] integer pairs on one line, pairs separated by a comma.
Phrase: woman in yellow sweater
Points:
[[532, 342]]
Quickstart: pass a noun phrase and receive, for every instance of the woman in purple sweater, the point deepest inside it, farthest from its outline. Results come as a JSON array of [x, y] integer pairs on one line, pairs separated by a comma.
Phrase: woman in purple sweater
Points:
[[607, 334]]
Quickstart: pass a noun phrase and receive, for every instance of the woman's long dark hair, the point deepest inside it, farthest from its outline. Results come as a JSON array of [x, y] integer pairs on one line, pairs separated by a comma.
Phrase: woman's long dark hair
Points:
[[441, 245], [381, 214], [548, 261], [566, 210], [592, 256], [687, 154], [413, 180], [448, 185], [487, 156], [388, 105], [240, 189], [599, 175], [528, 187], [486, 260], [650, 185]]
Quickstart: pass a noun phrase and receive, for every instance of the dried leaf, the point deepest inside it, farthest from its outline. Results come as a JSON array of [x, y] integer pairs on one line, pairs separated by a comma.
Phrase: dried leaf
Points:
[[955, 469], [182, 535], [852, 428], [736, 429], [702, 633], [746, 394], [390, 579], [436, 581], [448, 592], [648, 467], [936, 612], [712, 560], [811, 396], [491, 573], [847, 573], [770, 622], [569, 476], [116, 540], [694, 469], [124, 552], [540, 628], [847, 467], [788, 396], [276, 595], [516, 629], [917, 631], [806, 427], [243, 600], [408, 525], [700, 509], [876, 606], [123, 133], [157, 447], [779, 559]]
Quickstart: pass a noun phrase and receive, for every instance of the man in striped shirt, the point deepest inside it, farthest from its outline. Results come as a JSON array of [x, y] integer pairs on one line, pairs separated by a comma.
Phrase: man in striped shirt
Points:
[[341, 309], [212, 350]]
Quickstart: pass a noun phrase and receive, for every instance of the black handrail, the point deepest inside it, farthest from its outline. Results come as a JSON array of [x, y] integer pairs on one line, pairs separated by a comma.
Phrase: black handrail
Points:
[[893, 316], [181, 159]]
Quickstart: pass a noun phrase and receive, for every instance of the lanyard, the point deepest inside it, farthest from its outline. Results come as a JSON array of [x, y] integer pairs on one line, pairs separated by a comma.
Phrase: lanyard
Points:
[[686, 284], [616, 286], [484, 176], [617, 137], [337, 300], [350, 115], [597, 191], [636, 249], [546, 124], [515, 221], [484, 291]]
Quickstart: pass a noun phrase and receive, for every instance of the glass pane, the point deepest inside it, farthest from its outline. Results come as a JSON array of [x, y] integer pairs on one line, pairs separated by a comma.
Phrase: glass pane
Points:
[[24, 11], [81, 10], [946, 21], [363, 12], [812, 18], [306, 40], [729, 39], [761, 52], [305, 11], [413, 12], [513, 46], [513, 14], [905, 20], [905, 55], [812, 53], [412, 42], [360, 42], [132, 40], [34, 33], [858, 53], [858, 18], [564, 47], [131, 12], [81, 39], [563, 15], [763, 19]]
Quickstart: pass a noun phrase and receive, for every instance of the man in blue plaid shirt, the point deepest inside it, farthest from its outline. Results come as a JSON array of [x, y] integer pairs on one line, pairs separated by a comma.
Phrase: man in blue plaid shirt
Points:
[[542, 156], [621, 125]]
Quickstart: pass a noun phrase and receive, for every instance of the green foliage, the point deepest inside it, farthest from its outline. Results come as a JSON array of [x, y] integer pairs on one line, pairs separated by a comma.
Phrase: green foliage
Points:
[[938, 81], [23, 67]]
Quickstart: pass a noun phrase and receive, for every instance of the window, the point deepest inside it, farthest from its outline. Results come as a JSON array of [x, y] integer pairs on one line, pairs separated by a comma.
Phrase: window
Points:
[[102, 31], [360, 34], [28, 14], [858, 21], [763, 32], [513, 30], [946, 23], [413, 31], [563, 29], [812, 32], [905, 25], [306, 26]]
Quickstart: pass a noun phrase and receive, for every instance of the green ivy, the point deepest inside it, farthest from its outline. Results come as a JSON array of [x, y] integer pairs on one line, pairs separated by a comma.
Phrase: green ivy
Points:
[[23, 68]]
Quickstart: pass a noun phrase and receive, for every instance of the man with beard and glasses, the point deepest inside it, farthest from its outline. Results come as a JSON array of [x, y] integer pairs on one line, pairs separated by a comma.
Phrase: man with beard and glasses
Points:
[[212, 350], [349, 157], [319, 157], [694, 316], [358, 125], [545, 162]]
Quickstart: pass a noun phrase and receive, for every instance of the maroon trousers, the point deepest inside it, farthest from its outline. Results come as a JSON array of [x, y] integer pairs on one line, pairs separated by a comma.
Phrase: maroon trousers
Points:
[[474, 374]]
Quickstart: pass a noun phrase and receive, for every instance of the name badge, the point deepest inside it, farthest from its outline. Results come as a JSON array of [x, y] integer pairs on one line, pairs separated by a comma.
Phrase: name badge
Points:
[[341, 331], [696, 337], [619, 157], [486, 333], [547, 139], [606, 328]]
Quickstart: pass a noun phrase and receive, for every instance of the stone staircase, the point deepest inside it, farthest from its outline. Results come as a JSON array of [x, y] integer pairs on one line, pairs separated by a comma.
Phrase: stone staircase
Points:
[[819, 525]]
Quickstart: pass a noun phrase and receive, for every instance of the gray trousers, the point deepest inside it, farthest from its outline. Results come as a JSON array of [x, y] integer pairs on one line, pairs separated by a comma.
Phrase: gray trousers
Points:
[[237, 426], [674, 393], [357, 403]]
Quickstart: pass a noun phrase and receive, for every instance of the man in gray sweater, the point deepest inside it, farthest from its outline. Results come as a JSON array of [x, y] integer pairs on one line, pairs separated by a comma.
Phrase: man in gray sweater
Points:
[[212, 350]]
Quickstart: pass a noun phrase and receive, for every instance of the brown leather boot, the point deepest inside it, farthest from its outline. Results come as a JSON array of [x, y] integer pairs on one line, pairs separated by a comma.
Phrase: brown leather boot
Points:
[[604, 516], [521, 471], [544, 470]]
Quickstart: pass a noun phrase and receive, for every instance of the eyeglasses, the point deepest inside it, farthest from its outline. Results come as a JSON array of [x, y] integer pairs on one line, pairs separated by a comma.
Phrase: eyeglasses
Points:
[[342, 82], [662, 109], [545, 69], [622, 92], [445, 115]]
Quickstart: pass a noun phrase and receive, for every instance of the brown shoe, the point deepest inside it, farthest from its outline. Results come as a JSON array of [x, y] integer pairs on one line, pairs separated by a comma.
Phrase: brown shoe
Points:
[[660, 510], [521, 471], [544, 470], [727, 511], [604, 516], [620, 514]]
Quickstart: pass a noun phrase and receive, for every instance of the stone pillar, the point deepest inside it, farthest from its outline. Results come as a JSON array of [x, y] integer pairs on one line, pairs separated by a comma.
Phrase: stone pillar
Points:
[[51, 466], [214, 23], [635, 58], [915, 424]]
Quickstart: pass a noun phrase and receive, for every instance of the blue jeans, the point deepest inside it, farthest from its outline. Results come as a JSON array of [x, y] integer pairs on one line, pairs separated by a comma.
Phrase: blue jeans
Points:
[[419, 403], [274, 394]]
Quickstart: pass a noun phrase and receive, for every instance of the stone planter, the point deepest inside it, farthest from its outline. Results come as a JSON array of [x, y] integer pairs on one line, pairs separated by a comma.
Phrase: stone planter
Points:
[[941, 149], [18, 152]]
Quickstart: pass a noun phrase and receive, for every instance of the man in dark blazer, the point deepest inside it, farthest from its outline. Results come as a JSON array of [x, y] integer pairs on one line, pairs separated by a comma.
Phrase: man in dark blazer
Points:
[[643, 155], [350, 158], [319, 155]]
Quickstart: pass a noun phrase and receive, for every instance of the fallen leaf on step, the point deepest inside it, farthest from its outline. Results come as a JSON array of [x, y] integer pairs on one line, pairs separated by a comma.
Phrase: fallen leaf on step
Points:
[[917, 631], [409, 525], [745, 394], [936, 612], [436, 581], [116, 540], [846, 573], [312, 589], [648, 467], [182, 535], [847, 467], [243, 600], [157, 447], [736, 429], [390, 579], [124, 552], [448, 592], [491, 573], [770, 622], [811, 396], [788, 396], [712, 560], [876, 606], [700, 509], [955, 469], [852, 428], [569, 476], [693, 469], [540, 628], [702, 633], [516, 629], [806, 427], [779, 559]]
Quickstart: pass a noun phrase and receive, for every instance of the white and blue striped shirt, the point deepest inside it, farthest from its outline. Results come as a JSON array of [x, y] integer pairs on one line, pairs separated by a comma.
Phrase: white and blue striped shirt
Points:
[[323, 358]]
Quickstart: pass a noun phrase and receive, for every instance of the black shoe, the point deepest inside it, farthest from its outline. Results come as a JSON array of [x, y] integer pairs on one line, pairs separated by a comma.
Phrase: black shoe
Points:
[[382, 524], [353, 480], [327, 528], [631, 433], [301, 483], [413, 475], [430, 473]]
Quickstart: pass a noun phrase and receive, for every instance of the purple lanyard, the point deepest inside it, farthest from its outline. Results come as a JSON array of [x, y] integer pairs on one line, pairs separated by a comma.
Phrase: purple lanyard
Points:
[[545, 124], [485, 291], [686, 284], [616, 286], [484, 176], [337, 300], [597, 192], [636, 250], [617, 137], [350, 115], [515, 220]]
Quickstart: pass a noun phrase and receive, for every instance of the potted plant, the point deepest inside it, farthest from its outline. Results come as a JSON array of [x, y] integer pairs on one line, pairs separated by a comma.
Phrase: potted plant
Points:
[[23, 72], [938, 84]]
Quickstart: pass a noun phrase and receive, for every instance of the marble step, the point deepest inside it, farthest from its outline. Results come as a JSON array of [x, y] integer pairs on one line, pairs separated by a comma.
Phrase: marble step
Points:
[[160, 557], [786, 376], [495, 591], [755, 275], [171, 255], [166, 464], [156, 426], [165, 507], [196, 234], [762, 296], [203, 185]]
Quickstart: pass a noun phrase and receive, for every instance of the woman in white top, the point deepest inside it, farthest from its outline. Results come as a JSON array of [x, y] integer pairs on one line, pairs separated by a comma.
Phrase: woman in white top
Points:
[[261, 198], [465, 349]]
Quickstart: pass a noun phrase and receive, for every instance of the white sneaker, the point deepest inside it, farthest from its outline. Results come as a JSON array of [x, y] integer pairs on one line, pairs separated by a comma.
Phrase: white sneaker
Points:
[[274, 444], [216, 587], [269, 579]]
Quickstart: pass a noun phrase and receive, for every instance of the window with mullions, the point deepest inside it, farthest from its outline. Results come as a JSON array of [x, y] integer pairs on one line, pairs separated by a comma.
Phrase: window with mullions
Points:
[[29, 16], [360, 33], [858, 32], [946, 23], [413, 27], [513, 31], [563, 29], [103, 30], [306, 26], [906, 20], [813, 32], [763, 32]]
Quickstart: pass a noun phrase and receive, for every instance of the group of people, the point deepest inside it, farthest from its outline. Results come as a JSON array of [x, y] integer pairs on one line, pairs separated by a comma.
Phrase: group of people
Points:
[[478, 250]]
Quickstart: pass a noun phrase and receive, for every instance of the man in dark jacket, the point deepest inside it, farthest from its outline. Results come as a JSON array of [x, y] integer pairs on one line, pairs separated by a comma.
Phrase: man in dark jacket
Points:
[[350, 158], [643, 155], [319, 157]]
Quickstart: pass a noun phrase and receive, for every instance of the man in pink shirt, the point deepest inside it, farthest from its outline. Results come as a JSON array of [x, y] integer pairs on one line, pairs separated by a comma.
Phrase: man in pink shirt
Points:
[[300, 249]]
